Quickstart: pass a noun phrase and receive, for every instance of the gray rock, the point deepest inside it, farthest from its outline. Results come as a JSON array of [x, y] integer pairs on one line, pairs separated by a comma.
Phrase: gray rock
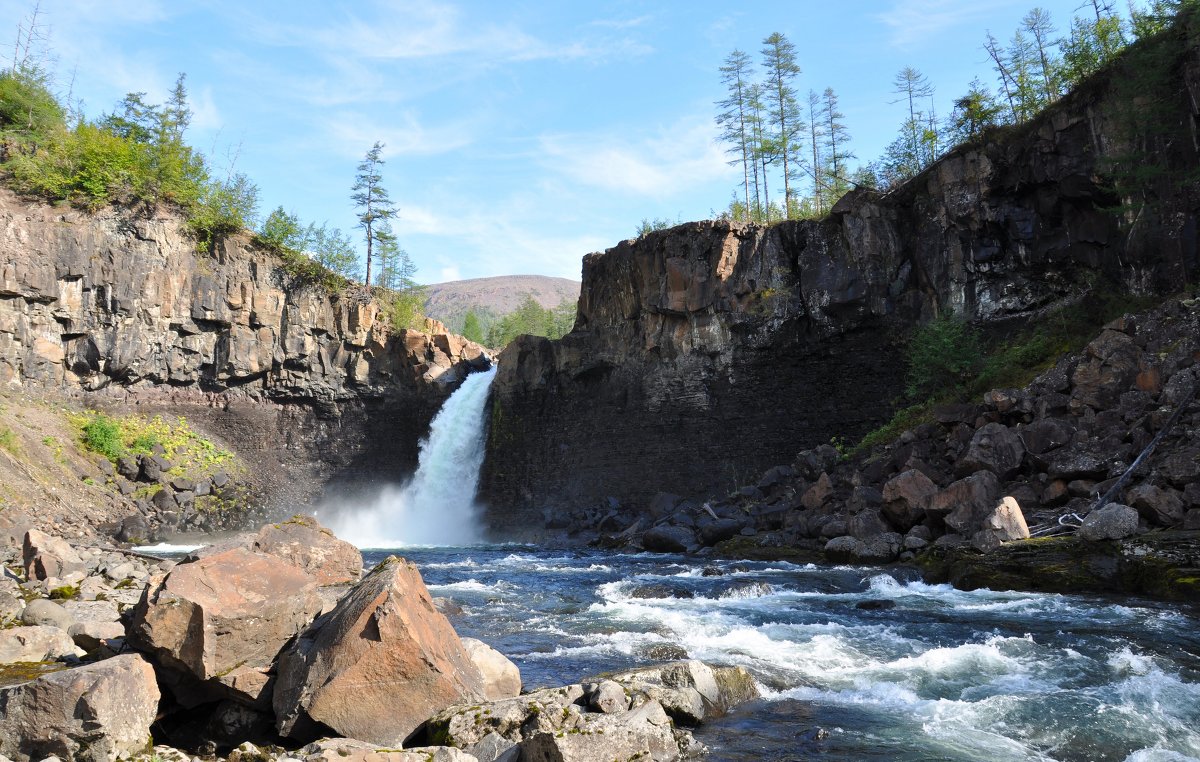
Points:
[[46, 613], [607, 697], [45, 556], [35, 643], [669, 539], [501, 678], [94, 713], [995, 448], [1157, 506], [1112, 522]]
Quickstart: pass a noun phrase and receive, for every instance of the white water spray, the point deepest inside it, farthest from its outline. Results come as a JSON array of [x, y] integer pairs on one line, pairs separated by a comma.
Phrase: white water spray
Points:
[[438, 506]]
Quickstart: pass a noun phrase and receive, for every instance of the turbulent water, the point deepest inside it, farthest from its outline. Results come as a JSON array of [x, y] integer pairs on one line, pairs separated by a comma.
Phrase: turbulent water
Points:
[[438, 505], [889, 668]]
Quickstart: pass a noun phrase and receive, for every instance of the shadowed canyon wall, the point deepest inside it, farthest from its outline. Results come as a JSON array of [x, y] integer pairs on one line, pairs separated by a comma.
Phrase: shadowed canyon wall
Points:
[[704, 354]]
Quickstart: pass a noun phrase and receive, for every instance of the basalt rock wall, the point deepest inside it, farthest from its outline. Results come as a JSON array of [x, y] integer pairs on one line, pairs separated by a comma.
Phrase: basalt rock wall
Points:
[[706, 353], [119, 310]]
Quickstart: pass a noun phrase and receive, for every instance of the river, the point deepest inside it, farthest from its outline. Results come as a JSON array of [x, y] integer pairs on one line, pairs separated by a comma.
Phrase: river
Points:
[[854, 663]]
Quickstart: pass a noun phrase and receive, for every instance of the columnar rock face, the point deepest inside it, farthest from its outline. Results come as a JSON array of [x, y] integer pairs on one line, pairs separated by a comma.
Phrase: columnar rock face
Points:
[[709, 352], [119, 308]]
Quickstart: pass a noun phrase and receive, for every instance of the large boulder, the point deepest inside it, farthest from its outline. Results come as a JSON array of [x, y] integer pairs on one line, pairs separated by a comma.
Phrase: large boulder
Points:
[[667, 538], [691, 691], [93, 713], [501, 678], [996, 448], [905, 497], [35, 643], [306, 544], [643, 733], [378, 665], [1158, 506], [1005, 523], [224, 618], [966, 499], [1108, 370], [351, 750], [48, 557], [1112, 522]]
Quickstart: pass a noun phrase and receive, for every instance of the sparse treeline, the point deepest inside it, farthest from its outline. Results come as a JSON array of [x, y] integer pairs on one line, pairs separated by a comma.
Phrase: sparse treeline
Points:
[[529, 318], [777, 140], [772, 136]]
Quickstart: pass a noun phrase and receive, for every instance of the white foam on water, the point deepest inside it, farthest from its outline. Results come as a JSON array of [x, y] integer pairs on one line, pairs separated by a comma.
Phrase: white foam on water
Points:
[[474, 586], [437, 507], [166, 547]]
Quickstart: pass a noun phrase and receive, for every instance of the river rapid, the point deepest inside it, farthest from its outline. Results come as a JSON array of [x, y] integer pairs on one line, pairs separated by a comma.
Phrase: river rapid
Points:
[[854, 663]]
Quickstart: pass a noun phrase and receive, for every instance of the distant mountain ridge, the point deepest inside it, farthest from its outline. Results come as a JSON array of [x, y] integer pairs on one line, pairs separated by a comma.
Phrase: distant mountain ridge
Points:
[[449, 302]]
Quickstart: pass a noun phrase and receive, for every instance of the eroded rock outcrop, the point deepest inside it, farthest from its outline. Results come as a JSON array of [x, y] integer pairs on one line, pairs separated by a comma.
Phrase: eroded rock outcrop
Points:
[[119, 307], [715, 350]]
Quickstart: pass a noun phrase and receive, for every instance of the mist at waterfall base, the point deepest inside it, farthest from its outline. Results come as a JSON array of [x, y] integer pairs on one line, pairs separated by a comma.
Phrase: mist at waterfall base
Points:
[[437, 506]]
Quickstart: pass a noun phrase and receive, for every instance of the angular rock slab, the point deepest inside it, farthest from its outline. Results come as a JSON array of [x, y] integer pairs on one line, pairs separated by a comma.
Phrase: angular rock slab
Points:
[[378, 665], [35, 643], [644, 733], [691, 691], [350, 750], [93, 713], [306, 544], [225, 617], [502, 678], [45, 556]]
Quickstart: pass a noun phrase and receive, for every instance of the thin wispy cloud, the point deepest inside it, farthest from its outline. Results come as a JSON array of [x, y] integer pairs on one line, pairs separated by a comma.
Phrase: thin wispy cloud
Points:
[[915, 23], [353, 133], [654, 166]]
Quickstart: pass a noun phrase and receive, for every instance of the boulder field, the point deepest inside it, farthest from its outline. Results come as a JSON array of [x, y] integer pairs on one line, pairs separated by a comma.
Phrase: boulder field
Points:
[[274, 646], [1003, 493]]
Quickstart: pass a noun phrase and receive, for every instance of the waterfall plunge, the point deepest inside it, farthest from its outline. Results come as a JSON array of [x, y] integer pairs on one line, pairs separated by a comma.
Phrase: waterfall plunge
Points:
[[438, 506]]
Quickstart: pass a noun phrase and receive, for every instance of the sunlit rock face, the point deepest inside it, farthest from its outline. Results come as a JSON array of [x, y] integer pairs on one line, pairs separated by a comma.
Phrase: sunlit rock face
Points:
[[704, 354], [119, 308]]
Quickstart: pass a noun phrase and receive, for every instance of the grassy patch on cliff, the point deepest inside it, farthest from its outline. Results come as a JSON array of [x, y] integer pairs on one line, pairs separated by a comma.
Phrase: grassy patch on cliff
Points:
[[114, 436], [951, 361]]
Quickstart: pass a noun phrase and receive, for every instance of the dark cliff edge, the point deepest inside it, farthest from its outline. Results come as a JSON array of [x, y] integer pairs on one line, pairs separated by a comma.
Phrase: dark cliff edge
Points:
[[704, 354], [118, 311]]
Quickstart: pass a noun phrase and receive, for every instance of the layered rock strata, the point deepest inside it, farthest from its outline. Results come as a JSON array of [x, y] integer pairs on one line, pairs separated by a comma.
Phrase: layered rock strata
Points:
[[706, 353], [121, 311]]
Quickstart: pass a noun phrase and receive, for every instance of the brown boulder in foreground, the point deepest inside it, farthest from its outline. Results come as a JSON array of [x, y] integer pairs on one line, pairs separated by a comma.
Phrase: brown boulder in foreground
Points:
[[225, 617], [306, 544], [377, 666]]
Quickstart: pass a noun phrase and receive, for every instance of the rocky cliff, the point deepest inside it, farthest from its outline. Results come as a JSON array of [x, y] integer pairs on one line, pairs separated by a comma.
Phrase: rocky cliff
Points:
[[705, 353], [120, 311]]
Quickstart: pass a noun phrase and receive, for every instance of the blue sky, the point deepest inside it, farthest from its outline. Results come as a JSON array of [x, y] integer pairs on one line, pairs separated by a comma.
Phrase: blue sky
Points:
[[520, 135]]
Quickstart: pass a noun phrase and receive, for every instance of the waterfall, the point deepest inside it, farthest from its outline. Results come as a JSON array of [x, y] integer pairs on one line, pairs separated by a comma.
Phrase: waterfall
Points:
[[437, 507]]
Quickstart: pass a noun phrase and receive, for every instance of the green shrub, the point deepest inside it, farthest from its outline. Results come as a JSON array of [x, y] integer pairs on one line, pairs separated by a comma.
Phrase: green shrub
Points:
[[27, 105], [942, 356], [102, 434], [8, 440]]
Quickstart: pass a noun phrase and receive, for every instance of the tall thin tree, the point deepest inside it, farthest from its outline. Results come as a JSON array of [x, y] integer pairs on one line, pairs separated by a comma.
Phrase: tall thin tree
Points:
[[372, 199], [837, 136], [734, 119], [816, 134], [783, 110], [911, 85]]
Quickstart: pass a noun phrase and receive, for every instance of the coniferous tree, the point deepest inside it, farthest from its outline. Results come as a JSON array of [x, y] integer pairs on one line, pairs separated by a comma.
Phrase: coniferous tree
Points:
[[912, 86], [1007, 81], [763, 154], [816, 136], [1041, 30], [473, 328], [973, 113], [1091, 43], [783, 110], [837, 138], [372, 199], [735, 117]]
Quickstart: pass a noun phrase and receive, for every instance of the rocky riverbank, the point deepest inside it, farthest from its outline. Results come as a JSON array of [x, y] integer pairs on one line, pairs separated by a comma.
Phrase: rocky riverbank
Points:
[[985, 494], [274, 645]]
